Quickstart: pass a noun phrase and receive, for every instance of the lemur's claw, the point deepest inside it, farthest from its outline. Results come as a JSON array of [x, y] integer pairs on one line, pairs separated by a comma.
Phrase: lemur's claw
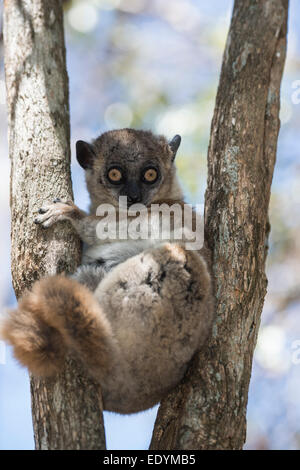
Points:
[[51, 213]]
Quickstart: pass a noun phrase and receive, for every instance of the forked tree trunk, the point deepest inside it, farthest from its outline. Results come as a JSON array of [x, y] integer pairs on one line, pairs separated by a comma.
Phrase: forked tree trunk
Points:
[[67, 411], [208, 410]]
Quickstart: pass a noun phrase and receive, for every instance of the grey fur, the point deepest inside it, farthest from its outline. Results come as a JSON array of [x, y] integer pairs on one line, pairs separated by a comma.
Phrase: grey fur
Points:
[[90, 275]]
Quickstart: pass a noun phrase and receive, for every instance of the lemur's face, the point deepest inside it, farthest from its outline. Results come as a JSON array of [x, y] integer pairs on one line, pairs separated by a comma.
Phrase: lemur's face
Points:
[[130, 163]]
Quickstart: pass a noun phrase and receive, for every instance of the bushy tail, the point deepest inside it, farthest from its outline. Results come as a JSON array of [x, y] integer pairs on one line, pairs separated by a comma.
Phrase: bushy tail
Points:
[[58, 315]]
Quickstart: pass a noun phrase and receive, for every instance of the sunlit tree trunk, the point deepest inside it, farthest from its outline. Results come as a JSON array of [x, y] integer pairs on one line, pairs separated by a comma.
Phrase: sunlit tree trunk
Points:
[[67, 411], [208, 410]]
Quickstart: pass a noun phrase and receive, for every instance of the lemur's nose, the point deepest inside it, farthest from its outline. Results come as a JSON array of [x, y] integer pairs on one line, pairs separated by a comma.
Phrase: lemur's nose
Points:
[[133, 193], [133, 198]]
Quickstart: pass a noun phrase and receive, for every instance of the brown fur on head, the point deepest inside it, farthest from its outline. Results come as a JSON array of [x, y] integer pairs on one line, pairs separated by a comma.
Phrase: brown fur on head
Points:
[[131, 152]]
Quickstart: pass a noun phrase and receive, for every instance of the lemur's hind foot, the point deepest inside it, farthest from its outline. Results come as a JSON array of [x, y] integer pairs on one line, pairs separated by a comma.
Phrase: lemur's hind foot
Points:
[[58, 314]]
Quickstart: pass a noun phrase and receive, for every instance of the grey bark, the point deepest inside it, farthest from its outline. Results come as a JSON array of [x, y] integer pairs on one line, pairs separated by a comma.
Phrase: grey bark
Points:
[[67, 411], [208, 410]]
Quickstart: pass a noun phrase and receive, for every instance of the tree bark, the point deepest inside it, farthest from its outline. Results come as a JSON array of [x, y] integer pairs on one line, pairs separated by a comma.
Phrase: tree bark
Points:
[[208, 410], [67, 411]]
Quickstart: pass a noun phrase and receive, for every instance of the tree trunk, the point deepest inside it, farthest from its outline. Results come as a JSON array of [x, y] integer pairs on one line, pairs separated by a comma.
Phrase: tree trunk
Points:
[[67, 411], [208, 410]]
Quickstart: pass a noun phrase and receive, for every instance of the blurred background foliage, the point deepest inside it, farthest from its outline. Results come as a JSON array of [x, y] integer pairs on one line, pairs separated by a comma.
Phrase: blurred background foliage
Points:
[[155, 64]]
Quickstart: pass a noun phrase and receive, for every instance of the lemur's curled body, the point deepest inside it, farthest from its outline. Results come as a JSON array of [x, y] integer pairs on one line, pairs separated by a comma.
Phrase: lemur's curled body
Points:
[[136, 311]]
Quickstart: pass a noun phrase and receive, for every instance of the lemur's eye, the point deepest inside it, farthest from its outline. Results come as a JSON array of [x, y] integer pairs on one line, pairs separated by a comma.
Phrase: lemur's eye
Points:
[[115, 175], [150, 175]]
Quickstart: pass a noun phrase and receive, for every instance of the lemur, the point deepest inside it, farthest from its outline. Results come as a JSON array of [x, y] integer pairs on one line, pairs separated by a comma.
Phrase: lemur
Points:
[[136, 311]]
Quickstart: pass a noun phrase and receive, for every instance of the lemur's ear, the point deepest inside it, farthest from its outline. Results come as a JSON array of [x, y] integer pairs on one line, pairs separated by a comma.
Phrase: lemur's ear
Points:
[[85, 154], [174, 145]]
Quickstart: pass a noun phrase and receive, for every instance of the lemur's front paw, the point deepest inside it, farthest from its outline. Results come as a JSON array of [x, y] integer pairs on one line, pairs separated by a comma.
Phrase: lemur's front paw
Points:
[[53, 212], [36, 344]]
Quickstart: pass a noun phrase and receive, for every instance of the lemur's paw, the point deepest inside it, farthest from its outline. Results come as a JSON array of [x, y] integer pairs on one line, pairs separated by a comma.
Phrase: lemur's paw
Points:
[[36, 345], [54, 212]]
